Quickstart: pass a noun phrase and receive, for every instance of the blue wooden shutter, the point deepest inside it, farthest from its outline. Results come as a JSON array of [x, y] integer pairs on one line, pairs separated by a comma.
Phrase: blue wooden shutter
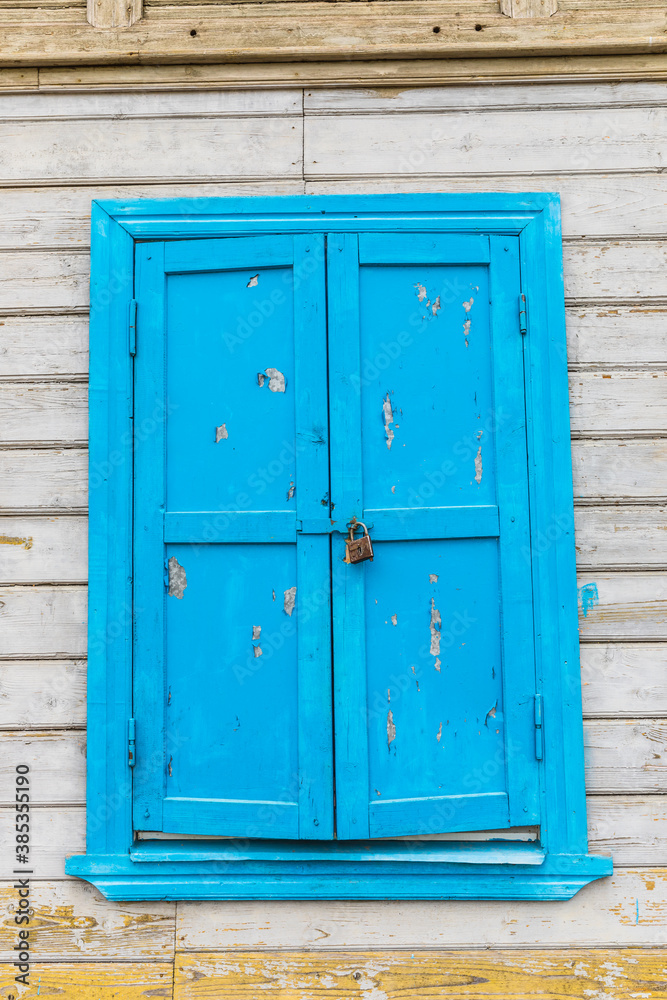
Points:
[[232, 671], [433, 640]]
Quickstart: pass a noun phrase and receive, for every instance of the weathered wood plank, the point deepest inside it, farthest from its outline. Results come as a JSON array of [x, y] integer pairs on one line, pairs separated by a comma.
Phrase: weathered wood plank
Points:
[[621, 536], [43, 550], [633, 829], [43, 345], [626, 756], [42, 694], [624, 679], [625, 335], [114, 13], [618, 401], [54, 833], [349, 32], [629, 908], [93, 980], [225, 104], [41, 479], [135, 148], [37, 279], [57, 763], [528, 8], [42, 412], [622, 605], [71, 920], [433, 143], [426, 975], [43, 621], [620, 469]]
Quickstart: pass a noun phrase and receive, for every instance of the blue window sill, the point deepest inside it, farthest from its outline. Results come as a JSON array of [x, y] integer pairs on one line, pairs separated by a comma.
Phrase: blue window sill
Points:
[[171, 870]]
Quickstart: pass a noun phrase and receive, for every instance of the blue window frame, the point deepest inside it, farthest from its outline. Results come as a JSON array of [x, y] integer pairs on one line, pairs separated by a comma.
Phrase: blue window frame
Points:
[[263, 371]]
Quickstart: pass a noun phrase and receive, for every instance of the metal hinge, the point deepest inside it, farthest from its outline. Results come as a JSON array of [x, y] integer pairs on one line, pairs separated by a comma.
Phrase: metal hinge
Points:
[[132, 327], [523, 314], [131, 743], [539, 738]]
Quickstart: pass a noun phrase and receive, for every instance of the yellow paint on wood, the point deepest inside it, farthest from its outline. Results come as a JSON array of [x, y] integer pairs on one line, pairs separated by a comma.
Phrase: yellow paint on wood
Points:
[[15, 540], [427, 975], [90, 981]]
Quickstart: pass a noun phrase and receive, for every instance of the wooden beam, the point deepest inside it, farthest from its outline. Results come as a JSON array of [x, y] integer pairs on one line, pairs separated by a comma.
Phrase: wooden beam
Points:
[[528, 8], [114, 13]]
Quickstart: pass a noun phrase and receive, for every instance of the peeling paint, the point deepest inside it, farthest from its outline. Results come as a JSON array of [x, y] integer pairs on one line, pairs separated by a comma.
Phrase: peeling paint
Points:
[[435, 626], [394, 619], [478, 466], [466, 331], [391, 729], [253, 281], [171, 773], [491, 714], [15, 540], [468, 305], [276, 380], [393, 489], [435, 308], [289, 601], [256, 636], [274, 594], [261, 379], [588, 598], [433, 578], [439, 733], [388, 417], [221, 433], [438, 664], [421, 292], [291, 491], [178, 580]]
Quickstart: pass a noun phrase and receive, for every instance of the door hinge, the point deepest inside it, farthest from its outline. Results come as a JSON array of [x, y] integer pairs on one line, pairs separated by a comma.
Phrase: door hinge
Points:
[[523, 314], [539, 738], [132, 328], [131, 743]]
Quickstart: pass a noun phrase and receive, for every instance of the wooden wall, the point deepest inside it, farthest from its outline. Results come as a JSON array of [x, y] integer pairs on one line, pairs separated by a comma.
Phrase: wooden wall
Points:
[[602, 147]]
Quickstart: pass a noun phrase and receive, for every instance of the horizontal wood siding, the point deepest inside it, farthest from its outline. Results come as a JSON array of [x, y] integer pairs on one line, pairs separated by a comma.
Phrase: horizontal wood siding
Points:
[[601, 147]]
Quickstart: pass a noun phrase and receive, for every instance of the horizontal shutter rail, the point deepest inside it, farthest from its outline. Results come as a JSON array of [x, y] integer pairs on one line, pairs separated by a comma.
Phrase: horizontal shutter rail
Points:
[[228, 254], [423, 248], [215, 526], [391, 524]]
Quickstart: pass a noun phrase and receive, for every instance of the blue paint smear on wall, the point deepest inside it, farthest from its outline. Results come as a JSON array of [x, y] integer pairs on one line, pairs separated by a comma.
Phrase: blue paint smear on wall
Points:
[[588, 598]]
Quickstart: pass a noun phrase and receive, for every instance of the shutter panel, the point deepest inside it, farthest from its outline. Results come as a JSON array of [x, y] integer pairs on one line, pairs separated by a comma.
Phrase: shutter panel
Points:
[[232, 671], [433, 640]]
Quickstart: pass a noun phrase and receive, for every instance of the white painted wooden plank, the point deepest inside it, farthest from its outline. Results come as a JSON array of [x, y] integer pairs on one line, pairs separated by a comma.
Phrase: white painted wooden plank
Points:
[[41, 413], [629, 908], [72, 920], [592, 205], [43, 549], [43, 621], [623, 469], [615, 269], [57, 763], [624, 679], [599, 401], [625, 335], [633, 829], [42, 694], [615, 204], [41, 479], [622, 605], [618, 401], [186, 104], [37, 279], [114, 13], [474, 97], [60, 216], [621, 536], [622, 756], [54, 833], [528, 8], [151, 148], [554, 141], [43, 345], [625, 755]]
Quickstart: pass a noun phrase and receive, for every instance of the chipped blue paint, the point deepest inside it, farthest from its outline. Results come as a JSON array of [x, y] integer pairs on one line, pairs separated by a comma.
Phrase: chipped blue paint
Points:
[[497, 244], [588, 598]]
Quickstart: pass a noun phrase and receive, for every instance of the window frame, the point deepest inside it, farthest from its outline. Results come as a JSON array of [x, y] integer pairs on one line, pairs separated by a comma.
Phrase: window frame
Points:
[[121, 868]]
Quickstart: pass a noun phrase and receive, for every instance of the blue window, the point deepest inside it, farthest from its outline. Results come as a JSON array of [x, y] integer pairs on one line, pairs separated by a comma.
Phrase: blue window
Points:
[[271, 380]]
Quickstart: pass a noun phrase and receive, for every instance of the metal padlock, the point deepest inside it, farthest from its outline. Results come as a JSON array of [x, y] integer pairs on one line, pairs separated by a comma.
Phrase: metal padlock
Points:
[[359, 549]]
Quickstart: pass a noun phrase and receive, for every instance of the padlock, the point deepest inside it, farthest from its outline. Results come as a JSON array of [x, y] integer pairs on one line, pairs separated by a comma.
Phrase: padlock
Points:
[[359, 549]]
